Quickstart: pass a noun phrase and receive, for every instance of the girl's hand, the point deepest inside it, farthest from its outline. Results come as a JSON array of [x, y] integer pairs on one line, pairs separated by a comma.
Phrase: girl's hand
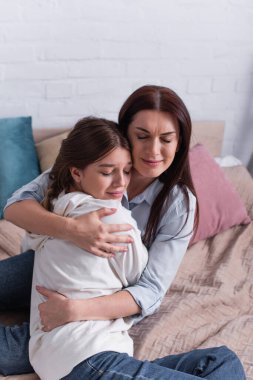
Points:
[[55, 311], [88, 232]]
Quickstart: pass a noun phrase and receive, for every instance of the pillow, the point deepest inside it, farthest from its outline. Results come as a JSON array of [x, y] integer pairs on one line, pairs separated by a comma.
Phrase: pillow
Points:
[[220, 206], [18, 157], [48, 149], [227, 161]]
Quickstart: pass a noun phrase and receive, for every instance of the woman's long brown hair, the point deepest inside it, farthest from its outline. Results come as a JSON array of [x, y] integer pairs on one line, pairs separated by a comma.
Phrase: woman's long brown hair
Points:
[[163, 99], [90, 140]]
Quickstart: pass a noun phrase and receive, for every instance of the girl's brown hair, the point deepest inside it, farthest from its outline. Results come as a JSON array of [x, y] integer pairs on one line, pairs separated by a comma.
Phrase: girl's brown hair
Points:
[[163, 99], [90, 140]]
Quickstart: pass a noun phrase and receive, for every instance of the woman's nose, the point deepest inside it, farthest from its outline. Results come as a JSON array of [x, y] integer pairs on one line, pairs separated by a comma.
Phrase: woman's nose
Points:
[[155, 147]]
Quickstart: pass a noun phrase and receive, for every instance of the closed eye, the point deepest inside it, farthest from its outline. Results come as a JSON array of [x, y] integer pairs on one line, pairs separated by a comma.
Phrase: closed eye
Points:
[[106, 174], [142, 137]]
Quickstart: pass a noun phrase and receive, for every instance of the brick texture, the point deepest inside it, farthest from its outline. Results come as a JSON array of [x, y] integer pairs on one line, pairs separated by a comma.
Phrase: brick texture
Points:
[[61, 59]]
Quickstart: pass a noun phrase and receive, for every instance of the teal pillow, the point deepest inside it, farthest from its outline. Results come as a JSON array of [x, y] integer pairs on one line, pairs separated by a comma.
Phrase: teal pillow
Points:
[[18, 158]]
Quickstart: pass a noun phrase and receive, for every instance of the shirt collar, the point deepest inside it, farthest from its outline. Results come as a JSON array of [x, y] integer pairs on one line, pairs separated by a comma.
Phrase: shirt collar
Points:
[[149, 194]]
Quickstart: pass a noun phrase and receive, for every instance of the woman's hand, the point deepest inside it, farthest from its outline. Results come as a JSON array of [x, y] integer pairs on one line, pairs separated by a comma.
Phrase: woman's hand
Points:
[[58, 310], [87, 231], [55, 311], [90, 233]]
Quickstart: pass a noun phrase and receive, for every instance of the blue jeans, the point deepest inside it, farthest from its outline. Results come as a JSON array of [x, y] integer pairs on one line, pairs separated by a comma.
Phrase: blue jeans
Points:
[[15, 294], [212, 363]]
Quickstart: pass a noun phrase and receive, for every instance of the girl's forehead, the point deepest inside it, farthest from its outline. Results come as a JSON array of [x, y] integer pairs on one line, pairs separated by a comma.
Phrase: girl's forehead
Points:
[[116, 156]]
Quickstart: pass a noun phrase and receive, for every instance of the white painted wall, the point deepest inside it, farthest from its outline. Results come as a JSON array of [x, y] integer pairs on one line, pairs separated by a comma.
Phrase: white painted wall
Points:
[[63, 59]]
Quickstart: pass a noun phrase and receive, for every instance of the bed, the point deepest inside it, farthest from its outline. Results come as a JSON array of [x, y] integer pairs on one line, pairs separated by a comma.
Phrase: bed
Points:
[[210, 300]]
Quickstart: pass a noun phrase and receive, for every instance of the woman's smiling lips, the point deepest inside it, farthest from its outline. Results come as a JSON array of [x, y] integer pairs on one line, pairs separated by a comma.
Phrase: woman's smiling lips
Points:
[[152, 163]]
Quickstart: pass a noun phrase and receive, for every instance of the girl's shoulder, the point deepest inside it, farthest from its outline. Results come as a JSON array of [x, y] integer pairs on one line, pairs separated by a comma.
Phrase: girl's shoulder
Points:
[[75, 202], [121, 216]]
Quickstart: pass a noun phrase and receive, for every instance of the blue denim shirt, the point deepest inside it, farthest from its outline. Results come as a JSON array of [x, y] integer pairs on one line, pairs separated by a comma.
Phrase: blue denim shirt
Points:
[[165, 252]]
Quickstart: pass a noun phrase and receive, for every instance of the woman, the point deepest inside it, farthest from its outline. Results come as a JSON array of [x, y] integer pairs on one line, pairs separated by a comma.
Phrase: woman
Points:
[[161, 198]]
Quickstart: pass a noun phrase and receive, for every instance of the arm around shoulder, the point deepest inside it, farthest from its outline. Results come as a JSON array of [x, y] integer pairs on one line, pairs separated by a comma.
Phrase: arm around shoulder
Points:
[[23, 209], [24, 214]]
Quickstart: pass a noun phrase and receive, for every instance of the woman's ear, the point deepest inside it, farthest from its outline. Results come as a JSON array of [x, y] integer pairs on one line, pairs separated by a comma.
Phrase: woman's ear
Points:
[[75, 173]]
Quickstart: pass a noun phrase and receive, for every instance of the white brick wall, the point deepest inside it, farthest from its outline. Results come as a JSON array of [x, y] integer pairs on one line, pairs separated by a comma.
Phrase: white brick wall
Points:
[[61, 59]]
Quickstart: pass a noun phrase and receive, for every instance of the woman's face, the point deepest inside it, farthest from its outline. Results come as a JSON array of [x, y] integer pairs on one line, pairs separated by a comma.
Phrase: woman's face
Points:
[[154, 137], [106, 178]]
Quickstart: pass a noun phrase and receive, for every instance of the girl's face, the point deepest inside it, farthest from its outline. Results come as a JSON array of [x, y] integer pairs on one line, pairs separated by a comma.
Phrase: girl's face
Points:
[[106, 178], [154, 137]]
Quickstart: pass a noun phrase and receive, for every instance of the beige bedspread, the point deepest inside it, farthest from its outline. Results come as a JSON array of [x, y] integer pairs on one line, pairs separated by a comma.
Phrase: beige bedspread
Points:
[[211, 300]]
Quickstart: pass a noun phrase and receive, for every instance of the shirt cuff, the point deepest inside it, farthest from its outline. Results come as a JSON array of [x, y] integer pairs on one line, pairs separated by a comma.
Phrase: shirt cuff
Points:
[[146, 299]]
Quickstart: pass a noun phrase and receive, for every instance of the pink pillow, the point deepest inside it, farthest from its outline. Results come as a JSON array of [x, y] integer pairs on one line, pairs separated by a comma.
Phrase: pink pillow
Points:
[[219, 203]]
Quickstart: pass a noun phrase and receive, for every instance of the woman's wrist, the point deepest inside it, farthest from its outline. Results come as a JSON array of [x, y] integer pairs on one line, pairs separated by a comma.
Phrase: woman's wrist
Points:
[[85, 309], [76, 310], [69, 228], [118, 305]]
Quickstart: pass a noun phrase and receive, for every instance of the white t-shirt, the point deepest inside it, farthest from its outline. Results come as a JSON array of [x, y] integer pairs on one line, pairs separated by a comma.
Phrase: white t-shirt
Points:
[[62, 266]]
